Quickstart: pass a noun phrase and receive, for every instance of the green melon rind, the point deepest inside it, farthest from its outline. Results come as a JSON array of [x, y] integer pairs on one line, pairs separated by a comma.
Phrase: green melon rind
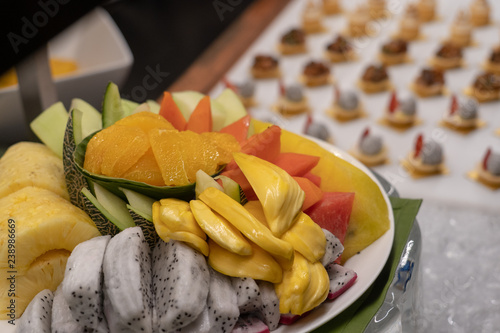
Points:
[[112, 109], [148, 228], [104, 226]]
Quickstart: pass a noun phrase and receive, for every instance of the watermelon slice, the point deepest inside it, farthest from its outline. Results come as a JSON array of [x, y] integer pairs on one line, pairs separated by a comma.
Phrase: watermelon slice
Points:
[[313, 193], [333, 212]]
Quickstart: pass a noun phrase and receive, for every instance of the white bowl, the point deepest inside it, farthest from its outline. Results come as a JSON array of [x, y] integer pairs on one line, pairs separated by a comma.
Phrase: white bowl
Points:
[[97, 46]]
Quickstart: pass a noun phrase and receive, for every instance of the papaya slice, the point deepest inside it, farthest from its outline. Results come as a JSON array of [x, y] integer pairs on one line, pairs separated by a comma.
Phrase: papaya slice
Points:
[[170, 111], [200, 120]]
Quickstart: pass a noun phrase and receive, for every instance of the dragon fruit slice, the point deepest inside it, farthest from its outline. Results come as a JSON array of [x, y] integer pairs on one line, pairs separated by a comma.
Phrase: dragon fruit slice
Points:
[[334, 248], [202, 324], [250, 324], [37, 316], [82, 284], [181, 280], [127, 282], [341, 279], [222, 303], [288, 318], [62, 318], [270, 308], [248, 294]]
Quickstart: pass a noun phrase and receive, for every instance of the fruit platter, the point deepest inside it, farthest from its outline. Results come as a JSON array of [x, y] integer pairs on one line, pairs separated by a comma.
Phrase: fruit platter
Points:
[[185, 215]]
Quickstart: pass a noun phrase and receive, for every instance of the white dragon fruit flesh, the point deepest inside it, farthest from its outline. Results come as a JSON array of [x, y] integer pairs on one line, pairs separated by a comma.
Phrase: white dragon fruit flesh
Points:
[[82, 284], [127, 282], [38, 314], [270, 308], [222, 303], [181, 282], [333, 250], [62, 318], [341, 279], [248, 294]]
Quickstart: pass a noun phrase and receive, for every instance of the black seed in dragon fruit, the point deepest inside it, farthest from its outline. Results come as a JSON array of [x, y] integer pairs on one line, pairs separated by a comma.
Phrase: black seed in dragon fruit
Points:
[[180, 284], [82, 284], [248, 294], [222, 303], [127, 289], [333, 250], [270, 308], [38, 314], [201, 324], [250, 324], [341, 279], [62, 318]]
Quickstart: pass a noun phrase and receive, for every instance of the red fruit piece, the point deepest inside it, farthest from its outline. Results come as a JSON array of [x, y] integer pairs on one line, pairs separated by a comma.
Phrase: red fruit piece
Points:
[[296, 164], [454, 105], [200, 120], [333, 212], [313, 193], [393, 104], [238, 129], [419, 145], [170, 111], [485, 159]]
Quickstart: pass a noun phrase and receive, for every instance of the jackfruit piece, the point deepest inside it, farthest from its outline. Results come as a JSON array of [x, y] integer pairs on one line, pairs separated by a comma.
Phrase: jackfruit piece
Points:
[[280, 195], [219, 229], [306, 237], [176, 215], [245, 222], [260, 265]]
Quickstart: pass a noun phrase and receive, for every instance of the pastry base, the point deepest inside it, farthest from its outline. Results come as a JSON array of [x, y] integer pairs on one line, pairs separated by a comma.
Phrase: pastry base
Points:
[[374, 87], [287, 108], [313, 27], [340, 57], [426, 14], [424, 91], [417, 170], [316, 81], [480, 19], [482, 96], [371, 160], [446, 63], [287, 49], [265, 74], [355, 30], [491, 67], [485, 178], [462, 127], [342, 115], [331, 8], [400, 126], [393, 59]]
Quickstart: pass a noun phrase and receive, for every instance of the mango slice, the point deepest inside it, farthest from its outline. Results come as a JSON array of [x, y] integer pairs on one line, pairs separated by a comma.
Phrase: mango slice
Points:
[[259, 265]]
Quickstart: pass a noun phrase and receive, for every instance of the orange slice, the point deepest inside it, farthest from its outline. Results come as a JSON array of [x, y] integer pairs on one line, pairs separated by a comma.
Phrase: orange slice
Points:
[[146, 170], [146, 121]]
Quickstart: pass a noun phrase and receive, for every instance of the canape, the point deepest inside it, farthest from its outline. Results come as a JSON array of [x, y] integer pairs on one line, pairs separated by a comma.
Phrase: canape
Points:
[[426, 158], [293, 42], [409, 25], [375, 79], [492, 64], [402, 112], [332, 7], [486, 88], [377, 9], [394, 52], [245, 91], [430, 82], [479, 13], [312, 17], [317, 129], [370, 149], [462, 115], [461, 30], [426, 10], [357, 21], [265, 67], [448, 56], [316, 73], [340, 50], [346, 105], [292, 100], [488, 171]]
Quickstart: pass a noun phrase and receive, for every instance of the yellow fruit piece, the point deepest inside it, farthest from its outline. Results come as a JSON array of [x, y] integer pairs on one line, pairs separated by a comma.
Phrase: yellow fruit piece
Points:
[[280, 195], [167, 147], [199, 153], [31, 164], [146, 121], [219, 229], [259, 265], [254, 207], [307, 238], [370, 215], [176, 215], [245, 222], [304, 286], [226, 145], [192, 240], [41, 222], [146, 170]]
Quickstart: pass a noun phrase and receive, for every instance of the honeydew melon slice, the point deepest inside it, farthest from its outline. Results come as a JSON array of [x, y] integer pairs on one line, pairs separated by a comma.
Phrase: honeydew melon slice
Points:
[[50, 126], [231, 105], [187, 100]]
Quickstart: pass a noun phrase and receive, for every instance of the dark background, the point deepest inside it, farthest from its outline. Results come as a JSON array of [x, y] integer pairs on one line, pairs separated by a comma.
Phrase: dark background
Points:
[[167, 33]]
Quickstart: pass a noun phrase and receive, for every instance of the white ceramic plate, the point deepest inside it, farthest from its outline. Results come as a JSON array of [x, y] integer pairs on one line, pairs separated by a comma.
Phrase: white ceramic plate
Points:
[[368, 265]]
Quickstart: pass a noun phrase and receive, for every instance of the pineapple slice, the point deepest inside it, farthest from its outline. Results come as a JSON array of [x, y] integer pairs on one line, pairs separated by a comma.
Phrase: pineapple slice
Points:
[[31, 164], [38, 229]]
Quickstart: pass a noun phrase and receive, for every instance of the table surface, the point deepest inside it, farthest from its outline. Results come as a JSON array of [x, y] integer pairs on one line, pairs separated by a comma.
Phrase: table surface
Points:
[[459, 218]]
